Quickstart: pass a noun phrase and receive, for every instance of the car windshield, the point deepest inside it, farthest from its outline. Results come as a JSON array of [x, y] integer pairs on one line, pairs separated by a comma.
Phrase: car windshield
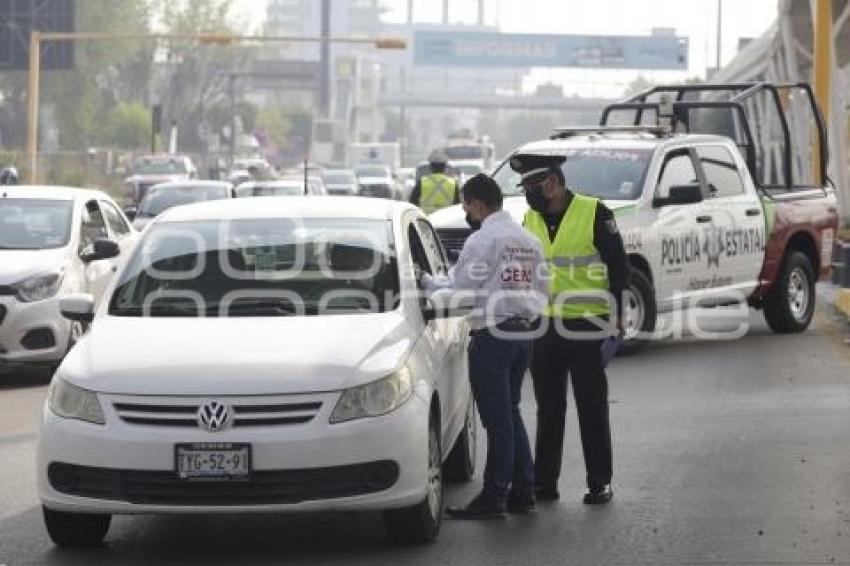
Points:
[[372, 172], [34, 224], [339, 178], [464, 152], [160, 167], [469, 170], [270, 190], [158, 200], [605, 173], [261, 267]]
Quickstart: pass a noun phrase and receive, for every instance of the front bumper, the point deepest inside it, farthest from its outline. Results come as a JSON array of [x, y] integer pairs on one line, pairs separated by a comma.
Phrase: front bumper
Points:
[[392, 449], [19, 323]]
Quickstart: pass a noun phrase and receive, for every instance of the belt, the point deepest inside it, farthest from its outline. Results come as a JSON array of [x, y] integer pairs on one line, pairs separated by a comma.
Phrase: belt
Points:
[[513, 324]]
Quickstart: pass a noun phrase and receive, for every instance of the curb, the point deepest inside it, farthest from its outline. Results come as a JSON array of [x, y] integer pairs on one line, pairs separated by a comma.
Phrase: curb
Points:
[[842, 302]]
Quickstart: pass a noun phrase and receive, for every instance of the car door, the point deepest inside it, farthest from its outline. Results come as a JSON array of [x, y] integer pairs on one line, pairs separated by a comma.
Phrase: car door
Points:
[[679, 227], [93, 227], [737, 213], [436, 332], [456, 333], [119, 227]]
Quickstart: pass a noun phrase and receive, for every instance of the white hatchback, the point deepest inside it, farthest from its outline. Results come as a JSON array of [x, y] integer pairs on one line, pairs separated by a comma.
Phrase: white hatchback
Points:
[[266, 354], [54, 241]]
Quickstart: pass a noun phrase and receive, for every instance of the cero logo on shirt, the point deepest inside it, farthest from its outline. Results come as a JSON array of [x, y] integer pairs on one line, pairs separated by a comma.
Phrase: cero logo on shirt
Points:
[[517, 272]]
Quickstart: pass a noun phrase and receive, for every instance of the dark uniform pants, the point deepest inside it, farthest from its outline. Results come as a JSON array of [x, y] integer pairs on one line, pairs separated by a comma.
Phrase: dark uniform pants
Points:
[[554, 358], [496, 371]]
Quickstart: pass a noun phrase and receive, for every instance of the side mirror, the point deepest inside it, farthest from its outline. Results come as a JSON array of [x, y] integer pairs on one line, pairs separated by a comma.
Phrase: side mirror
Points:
[[101, 249], [79, 308], [448, 304], [680, 194], [131, 211]]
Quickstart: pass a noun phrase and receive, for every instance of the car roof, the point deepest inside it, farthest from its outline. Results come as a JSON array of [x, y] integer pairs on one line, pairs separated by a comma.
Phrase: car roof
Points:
[[617, 141], [49, 192], [288, 207]]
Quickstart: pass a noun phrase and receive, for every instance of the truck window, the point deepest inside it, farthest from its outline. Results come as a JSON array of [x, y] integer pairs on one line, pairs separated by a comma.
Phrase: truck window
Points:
[[721, 173], [678, 170]]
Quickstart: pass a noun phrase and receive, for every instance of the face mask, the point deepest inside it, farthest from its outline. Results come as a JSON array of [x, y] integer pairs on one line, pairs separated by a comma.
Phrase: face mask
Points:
[[473, 223], [536, 200]]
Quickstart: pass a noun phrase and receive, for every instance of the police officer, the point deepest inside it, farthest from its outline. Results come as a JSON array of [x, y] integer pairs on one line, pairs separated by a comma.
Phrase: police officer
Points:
[[504, 265], [590, 272], [435, 190]]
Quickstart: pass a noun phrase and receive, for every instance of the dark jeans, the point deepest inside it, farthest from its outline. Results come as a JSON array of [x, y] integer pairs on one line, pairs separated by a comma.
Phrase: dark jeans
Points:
[[496, 370], [555, 358]]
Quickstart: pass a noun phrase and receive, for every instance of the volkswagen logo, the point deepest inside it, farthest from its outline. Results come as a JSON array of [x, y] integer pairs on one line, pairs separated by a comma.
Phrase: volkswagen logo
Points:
[[214, 416]]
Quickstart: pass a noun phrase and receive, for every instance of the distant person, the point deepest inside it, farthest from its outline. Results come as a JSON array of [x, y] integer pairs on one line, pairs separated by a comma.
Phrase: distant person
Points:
[[435, 190], [9, 176]]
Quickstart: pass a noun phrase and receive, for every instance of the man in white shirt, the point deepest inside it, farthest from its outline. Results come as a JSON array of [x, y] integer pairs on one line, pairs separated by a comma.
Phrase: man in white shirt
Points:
[[505, 266]]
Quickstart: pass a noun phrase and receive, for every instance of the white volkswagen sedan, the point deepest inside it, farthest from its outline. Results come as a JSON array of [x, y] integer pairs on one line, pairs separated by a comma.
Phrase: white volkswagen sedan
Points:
[[263, 355], [54, 241]]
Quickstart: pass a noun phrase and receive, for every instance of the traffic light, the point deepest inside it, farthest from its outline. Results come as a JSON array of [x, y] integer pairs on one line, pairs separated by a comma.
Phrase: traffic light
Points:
[[156, 118]]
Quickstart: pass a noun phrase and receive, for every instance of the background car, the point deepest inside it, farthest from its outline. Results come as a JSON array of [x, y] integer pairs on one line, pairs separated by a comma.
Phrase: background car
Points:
[[280, 188], [278, 384], [54, 241], [341, 182], [160, 198], [376, 181], [152, 170], [244, 169]]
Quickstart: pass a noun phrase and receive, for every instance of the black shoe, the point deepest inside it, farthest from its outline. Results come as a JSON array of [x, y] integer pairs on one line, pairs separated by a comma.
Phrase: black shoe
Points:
[[521, 502], [599, 495], [479, 508], [547, 493]]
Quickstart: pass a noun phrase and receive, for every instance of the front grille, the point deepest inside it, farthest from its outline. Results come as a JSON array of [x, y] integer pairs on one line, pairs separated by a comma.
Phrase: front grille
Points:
[[2, 313], [7, 290], [246, 414], [381, 191], [264, 487], [453, 239]]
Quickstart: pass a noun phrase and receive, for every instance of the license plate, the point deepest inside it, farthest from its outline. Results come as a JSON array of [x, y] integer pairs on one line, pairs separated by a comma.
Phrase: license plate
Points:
[[213, 461]]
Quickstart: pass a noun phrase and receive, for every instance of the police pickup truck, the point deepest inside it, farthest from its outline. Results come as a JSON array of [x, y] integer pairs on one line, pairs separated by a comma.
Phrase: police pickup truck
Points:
[[707, 219]]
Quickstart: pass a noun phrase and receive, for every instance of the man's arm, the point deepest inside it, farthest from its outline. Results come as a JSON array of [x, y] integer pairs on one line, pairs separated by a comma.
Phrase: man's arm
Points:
[[469, 273], [609, 243]]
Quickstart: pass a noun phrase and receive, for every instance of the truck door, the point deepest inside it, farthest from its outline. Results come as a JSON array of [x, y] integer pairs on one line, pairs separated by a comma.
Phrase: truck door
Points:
[[738, 238], [679, 227]]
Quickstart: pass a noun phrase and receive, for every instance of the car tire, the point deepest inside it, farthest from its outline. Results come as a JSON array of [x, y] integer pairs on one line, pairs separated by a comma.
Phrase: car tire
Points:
[[639, 303], [790, 304], [75, 530], [460, 464], [420, 523]]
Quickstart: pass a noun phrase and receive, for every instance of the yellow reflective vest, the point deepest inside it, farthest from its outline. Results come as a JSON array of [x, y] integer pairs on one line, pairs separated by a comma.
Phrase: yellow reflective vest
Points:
[[579, 286], [438, 191]]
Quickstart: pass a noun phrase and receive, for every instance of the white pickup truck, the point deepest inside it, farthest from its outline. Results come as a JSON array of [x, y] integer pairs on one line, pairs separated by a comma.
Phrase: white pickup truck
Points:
[[698, 230]]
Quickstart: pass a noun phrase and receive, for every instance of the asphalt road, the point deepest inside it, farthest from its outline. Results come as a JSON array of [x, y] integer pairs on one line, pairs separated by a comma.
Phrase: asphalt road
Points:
[[726, 452]]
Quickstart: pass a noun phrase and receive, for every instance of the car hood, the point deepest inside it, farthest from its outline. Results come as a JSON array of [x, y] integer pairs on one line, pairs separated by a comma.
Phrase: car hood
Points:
[[453, 217], [16, 265], [237, 356]]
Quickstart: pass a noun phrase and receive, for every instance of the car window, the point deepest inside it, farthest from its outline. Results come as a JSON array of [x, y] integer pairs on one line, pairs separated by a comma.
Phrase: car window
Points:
[[34, 224], [678, 170], [721, 172], [114, 219], [93, 227], [417, 250], [432, 246]]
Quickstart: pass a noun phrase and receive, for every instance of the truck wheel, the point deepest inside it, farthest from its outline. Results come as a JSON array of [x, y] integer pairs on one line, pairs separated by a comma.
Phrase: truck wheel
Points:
[[75, 530], [639, 313], [421, 522], [460, 465], [790, 304]]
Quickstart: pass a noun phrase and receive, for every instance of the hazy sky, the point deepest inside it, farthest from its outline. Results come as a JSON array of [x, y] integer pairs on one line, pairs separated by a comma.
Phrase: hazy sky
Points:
[[695, 19]]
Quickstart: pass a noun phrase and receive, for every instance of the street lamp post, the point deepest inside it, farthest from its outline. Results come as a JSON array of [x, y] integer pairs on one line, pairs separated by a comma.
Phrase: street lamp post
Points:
[[37, 38]]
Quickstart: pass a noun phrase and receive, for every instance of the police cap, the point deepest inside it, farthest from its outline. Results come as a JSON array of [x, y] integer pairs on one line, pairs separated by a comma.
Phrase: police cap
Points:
[[534, 166]]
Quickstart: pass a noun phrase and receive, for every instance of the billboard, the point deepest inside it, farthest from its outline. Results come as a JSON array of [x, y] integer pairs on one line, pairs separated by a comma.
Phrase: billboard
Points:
[[18, 17], [493, 49]]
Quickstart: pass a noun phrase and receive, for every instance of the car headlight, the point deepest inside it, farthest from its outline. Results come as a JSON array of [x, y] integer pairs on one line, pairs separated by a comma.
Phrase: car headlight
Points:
[[72, 402], [39, 287], [374, 399]]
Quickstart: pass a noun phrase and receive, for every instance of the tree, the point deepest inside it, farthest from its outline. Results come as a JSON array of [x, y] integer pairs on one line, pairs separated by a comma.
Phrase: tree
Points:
[[128, 126]]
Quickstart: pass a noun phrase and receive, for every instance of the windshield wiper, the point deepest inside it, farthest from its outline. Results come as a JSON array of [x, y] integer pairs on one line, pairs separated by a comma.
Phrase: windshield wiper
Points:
[[258, 307], [156, 310]]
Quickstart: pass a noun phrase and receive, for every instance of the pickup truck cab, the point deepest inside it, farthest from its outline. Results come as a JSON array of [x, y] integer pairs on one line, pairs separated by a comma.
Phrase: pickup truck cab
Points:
[[697, 229]]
